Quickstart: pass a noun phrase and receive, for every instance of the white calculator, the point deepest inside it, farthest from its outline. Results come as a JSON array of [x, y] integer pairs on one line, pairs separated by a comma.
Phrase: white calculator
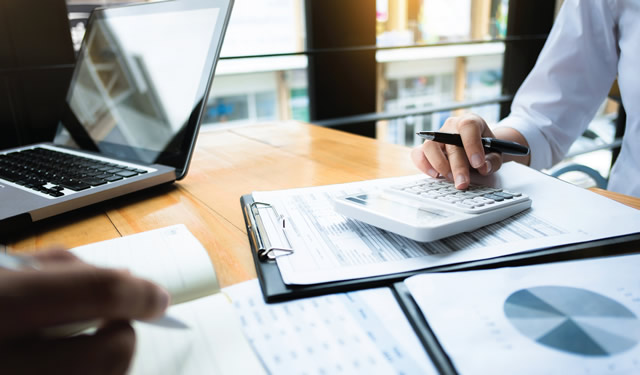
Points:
[[427, 209]]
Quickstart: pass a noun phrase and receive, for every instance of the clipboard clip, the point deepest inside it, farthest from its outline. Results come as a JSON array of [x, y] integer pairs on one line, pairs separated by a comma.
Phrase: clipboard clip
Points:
[[264, 243]]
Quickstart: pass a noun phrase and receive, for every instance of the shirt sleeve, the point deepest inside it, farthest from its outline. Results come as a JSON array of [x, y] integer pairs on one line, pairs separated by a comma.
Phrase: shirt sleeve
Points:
[[571, 78]]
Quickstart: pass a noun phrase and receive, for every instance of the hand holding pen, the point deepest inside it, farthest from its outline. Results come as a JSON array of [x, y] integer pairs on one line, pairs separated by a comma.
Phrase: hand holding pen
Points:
[[54, 288], [467, 142], [489, 144]]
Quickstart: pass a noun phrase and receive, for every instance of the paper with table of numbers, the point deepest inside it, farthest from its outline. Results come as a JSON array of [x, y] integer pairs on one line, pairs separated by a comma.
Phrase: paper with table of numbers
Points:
[[330, 247], [362, 332]]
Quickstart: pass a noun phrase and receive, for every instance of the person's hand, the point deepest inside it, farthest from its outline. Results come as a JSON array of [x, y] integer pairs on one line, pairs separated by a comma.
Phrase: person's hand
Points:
[[65, 290], [453, 162]]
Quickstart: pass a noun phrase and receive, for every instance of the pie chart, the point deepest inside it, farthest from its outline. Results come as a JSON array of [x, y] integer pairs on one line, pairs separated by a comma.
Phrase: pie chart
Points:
[[573, 320]]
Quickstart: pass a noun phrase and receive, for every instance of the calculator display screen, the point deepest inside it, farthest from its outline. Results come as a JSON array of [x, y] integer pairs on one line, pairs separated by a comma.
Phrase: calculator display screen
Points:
[[400, 209]]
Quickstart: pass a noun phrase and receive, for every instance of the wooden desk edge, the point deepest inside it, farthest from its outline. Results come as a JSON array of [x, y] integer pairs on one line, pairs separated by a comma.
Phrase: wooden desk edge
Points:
[[624, 199]]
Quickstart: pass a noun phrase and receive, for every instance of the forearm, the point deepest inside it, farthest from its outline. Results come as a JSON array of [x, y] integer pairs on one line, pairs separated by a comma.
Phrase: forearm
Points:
[[572, 76]]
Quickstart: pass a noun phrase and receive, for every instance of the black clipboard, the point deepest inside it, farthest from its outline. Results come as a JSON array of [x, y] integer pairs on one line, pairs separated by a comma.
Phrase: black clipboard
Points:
[[420, 326], [275, 290]]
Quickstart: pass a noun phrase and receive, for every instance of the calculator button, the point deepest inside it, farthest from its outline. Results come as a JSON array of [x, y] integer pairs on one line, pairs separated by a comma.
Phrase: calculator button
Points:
[[449, 199], [483, 200], [503, 194], [496, 198], [475, 199], [432, 194], [512, 193], [468, 203]]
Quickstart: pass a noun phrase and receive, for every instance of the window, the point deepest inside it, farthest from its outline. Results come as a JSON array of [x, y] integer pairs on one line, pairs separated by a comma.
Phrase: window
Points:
[[444, 63], [418, 22], [262, 62]]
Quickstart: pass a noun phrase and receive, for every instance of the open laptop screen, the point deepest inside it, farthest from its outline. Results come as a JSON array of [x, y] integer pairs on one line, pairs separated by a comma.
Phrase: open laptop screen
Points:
[[142, 78]]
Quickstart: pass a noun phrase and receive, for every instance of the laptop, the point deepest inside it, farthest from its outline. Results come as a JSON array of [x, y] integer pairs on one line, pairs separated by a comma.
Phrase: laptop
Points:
[[131, 115]]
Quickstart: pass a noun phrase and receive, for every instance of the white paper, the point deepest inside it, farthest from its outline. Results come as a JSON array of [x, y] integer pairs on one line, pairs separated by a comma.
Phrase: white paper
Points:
[[171, 257], [213, 344], [579, 317], [361, 332], [330, 247]]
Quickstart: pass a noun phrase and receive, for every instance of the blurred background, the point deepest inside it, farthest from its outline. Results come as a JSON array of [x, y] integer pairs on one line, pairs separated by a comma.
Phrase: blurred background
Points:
[[384, 68]]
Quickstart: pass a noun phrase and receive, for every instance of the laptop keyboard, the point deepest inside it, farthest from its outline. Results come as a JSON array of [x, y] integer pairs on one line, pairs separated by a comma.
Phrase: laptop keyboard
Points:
[[51, 172]]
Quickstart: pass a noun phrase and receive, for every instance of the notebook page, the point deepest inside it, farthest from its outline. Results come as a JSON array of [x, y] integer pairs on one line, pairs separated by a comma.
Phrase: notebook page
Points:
[[171, 257], [213, 344]]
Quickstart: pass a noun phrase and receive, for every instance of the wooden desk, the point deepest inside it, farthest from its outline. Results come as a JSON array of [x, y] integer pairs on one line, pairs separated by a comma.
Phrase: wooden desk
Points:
[[226, 164]]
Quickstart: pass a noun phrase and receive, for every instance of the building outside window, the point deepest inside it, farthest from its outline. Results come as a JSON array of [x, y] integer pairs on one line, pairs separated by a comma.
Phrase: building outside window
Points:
[[444, 61], [262, 73], [462, 59]]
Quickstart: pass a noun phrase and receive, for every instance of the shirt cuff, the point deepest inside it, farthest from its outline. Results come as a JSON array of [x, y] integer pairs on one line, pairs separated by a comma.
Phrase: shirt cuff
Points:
[[538, 144]]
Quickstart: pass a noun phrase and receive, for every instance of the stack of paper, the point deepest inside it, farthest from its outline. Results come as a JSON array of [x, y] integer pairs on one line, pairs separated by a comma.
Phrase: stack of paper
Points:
[[329, 247]]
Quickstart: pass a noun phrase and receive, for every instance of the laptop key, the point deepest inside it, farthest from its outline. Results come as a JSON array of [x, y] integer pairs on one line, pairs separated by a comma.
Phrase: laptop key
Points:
[[75, 185], [126, 174], [39, 167], [94, 181], [7, 175], [113, 178]]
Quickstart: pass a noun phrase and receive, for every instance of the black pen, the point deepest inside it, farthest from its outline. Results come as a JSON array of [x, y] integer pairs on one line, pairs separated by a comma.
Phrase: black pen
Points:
[[489, 144]]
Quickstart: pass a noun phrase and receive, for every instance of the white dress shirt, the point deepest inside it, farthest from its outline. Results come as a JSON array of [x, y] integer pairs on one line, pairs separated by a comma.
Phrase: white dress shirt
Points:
[[590, 43]]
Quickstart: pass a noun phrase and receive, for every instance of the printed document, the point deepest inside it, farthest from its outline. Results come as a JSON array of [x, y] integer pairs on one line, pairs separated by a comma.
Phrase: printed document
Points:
[[362, 332], [577, 317], [329, 247]]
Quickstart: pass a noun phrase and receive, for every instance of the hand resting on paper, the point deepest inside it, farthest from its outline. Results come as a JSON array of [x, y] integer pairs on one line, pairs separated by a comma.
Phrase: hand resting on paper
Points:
[[64, 290]]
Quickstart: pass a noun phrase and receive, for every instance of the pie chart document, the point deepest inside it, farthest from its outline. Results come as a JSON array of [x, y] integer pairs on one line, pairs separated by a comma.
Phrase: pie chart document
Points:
[[576, 317]]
